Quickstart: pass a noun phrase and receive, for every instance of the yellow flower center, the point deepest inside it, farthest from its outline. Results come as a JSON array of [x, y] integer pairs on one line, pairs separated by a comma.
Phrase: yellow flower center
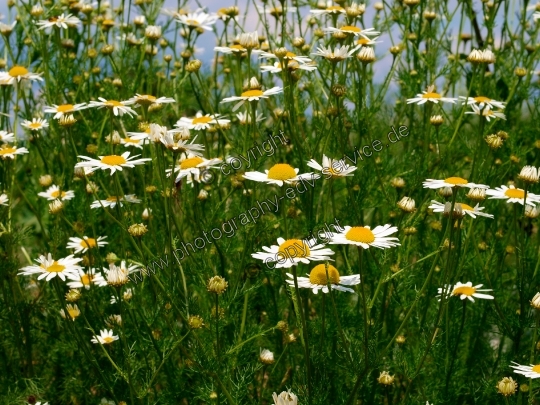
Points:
[[481, 99], [88, 243], [113, 160], [74, 313], [466, 207], [464, 290], [112, 199], [190, 163], [237, 47], [289, 55], [64, 108], [431, 95], [129, 140], [363, 41], [201, 120], [108, 22], [335, 8], [299, 247], [252, 93], [54, 268], [86, 279], [17, 71], [108, 340], [455, 180], [536, 368], [281, 171], [113, 103], [350, 28], [514, 193], [318, 275], [58, 193], [192, 22], [7, 151], [145, 98], [35, 125], [360, 234]]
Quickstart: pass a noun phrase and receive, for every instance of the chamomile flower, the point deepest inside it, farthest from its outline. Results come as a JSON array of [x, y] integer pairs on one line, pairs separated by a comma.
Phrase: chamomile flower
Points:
[[317, 279], [338, 54], [54, 192], [288, 56], [62, 110], [83, 279], [18, 73], [465, 291], [482, 102], [61, 21], [275, 11], [233, 49], [279, 174], [4, 199], [147, 99], [153, 132], [513, 195], [9, 151], [291, 65], [49, 268], [463, 208], [332, 167], [73, 311], [36, 124], [198, 19], [451, 182], [105, 337], [6, 137], [365, 237], [536, 15], [351, 29], [82, 245], [532, 371], [330, 9], [290, 252], [430, 95], [200, 121], [179, 145], [367, 41], [119, 275], [129, 141], [119, 108], [113, 200], [487, 113], [245, 117], [251, 95], [111, 162], [127, 295], [192, 166]]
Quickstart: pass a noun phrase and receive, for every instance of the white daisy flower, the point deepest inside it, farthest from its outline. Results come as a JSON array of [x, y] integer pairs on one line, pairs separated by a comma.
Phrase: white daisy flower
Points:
[[292, 65], [293, 251], [279, 174], [285, 398], [127, 295], [536, 15], [532, 371], [330, 9], [7, 151], [451, 182], [49, 268], [487, 113], [112, 162], [482, 102], [4, 199], [18, 73], [129, 141], [465, 291], [251, 95], [113, 200], [120, 274], [430, 95], [35, 125], [53, 193], [198, 19], [178, 145], [351, 29], [192, 167], [73, 312], [235, 48], [61, 21], [460, 208], [106, 337], [365, 237], [513, 195], [338, 54], [367, 42], [119, 107], [245, 117], [7, 29], [82, 245], [275, 11], [317, 280], [288, 56], [332, 167], [6, 137], [62, 110], [201, 122], [147, 99], [84, 280]]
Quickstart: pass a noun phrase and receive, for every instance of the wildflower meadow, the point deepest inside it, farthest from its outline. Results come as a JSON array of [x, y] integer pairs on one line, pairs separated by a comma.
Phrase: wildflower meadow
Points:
[[269, 202]]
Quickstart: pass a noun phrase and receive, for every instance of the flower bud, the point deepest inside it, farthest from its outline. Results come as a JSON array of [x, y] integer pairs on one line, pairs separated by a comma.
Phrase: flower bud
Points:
[[266, 357], [217, 285], [385, 378], [56, 206], [195, 322], [507, 386], [407, 204], [45, 180], [137, 230]]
